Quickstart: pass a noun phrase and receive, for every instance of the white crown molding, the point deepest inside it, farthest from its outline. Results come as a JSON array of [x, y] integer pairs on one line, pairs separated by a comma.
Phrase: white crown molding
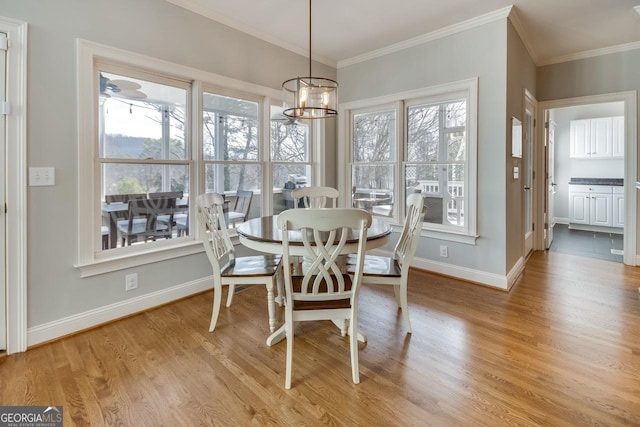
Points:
[[197, 8], [514, 17], [434, 35], [590, 53], [506, 12]]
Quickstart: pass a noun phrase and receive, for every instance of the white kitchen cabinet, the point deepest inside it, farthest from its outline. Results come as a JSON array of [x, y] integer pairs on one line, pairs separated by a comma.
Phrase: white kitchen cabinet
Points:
[[618, 207], [618, 136], [579, 207], [600, 138], [591, 205], [580, 139], [601, 209]]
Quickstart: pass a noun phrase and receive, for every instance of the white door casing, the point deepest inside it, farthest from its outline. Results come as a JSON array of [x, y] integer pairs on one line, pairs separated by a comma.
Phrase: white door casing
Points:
[[15, 216], [3, 223], [550, 165], [528, 182]]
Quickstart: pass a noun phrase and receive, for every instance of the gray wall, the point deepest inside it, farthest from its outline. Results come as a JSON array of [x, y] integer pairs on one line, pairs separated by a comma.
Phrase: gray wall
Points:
[[149, 27], [478, 52], [521, 75], [616, 72]]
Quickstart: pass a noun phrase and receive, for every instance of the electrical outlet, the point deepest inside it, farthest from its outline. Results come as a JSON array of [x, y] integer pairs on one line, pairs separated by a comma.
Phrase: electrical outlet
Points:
[[131, 282], [444, 251]]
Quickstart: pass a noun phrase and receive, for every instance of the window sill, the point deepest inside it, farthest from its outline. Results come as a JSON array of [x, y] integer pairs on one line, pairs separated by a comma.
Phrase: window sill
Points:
[[449, 236], [128, 260]]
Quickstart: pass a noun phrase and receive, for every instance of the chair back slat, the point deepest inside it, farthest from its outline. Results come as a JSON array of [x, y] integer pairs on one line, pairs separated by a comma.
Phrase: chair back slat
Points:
[[325, 233], [408, 242], [217, 243]]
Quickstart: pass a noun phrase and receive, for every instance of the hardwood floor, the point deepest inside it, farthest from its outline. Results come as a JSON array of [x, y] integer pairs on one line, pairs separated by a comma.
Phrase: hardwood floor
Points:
[[561, 349]]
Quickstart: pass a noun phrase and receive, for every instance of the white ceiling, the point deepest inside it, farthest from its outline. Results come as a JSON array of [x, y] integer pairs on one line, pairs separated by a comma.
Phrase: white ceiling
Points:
[[553, 30]]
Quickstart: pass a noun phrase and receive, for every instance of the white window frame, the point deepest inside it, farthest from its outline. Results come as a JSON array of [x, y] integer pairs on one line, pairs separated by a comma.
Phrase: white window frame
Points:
[[91, 259], [467, 89]]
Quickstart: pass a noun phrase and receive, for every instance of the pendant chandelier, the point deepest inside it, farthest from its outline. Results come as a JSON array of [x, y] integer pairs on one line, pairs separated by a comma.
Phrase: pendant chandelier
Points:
[[310, 97]]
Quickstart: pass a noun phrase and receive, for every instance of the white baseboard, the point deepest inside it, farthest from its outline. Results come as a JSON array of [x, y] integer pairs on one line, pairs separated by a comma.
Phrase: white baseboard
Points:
[[598, 229], [464, 273], [515, 272], [89, 319]]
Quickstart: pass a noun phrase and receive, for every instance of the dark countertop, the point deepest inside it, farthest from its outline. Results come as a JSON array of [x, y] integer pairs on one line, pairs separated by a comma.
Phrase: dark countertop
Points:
[[597, 181]]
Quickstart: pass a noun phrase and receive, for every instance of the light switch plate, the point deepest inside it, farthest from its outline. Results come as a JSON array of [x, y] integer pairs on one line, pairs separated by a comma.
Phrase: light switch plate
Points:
[[516, 172], [42, 176]]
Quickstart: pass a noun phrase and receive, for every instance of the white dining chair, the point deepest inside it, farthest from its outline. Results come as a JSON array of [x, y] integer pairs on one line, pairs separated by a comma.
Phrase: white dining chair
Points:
[[315, 197], [394, 270], [324, 290], [227, 268]]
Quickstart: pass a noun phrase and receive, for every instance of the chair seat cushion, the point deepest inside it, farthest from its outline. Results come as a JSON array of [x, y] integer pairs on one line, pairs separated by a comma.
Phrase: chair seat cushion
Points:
[[258, 265], [296, 282], [376, 266]]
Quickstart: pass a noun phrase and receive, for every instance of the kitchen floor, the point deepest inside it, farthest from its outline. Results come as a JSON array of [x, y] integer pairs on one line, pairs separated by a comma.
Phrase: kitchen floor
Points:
[[589, 244]]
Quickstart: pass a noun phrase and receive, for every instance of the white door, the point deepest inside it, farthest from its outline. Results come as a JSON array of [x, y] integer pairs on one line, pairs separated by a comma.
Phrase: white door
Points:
[[527, 173], [550, 182], [3, 223]]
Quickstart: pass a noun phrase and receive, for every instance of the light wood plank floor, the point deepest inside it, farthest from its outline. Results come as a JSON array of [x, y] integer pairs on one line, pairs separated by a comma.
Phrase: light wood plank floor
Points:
[[561, 349]]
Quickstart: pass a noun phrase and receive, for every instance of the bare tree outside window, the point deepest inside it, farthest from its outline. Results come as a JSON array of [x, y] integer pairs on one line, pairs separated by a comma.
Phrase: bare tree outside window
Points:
[[372, 171], [436, 153], [230, 144], [290, 157]]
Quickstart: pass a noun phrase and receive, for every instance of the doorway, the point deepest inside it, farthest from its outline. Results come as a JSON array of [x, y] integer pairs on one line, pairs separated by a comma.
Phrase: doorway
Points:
[[589, 189]]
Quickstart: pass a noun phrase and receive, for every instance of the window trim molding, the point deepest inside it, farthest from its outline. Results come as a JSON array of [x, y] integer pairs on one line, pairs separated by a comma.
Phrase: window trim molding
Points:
[[90, 259], [468, 86]]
